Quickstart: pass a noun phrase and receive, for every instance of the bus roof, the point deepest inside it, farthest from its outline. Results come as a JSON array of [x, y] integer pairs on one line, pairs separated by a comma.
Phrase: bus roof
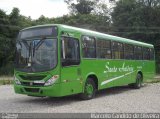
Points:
[[95, 34]]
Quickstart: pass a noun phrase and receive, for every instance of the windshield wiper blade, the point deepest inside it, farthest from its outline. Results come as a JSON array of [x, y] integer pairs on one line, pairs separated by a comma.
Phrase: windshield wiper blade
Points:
[[40, 43]]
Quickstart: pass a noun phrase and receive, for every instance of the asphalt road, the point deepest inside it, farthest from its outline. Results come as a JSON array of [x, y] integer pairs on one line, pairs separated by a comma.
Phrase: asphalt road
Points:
[[119, 100]]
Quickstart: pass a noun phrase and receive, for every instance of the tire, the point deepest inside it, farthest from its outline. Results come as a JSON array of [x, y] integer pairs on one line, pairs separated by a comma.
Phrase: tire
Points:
[[89, 90], [138, 83]]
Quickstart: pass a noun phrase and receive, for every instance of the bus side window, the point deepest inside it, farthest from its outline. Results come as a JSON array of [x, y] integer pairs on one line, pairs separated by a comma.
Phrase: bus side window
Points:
[[103, 49], [151, 54], [88, 47], [138, 53], [129, 52], [117, 50], [70, 51], [146, 53]]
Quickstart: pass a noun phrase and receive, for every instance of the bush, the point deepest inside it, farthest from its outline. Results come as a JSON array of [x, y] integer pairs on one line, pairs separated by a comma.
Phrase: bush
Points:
[[7, 70]]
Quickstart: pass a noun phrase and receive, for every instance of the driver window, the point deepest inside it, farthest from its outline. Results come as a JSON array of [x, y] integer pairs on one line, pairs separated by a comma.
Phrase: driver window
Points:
[[70, 51]]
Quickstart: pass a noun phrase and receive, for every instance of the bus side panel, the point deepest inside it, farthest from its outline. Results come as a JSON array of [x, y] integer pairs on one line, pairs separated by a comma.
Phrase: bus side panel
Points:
[[97, 68], [110, 73], [70, 80], [70, 88], [125, 72], [116, 72], [148, 70]]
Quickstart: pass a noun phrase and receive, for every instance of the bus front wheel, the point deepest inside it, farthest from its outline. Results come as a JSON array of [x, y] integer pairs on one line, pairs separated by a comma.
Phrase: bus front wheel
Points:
[[138, 83], [89, 90]]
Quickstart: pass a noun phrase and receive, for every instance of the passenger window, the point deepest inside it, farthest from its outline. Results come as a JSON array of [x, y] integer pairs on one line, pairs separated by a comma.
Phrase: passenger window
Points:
[[70, 51], [117, 50], [129, 52], [103, 49], [88, 47], [151, 54], [138, 53], [146, 53]]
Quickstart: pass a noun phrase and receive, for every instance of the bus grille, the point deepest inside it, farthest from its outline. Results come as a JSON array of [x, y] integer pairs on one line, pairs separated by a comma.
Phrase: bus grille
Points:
[[32, 84], [31, 78]]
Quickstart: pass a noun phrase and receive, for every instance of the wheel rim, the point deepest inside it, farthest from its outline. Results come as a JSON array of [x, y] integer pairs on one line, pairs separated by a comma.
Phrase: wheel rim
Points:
[[89, 89], [139, 82]]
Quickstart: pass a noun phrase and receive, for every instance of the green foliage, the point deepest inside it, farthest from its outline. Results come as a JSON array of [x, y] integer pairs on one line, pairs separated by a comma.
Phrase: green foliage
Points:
[[98, 7], [136, 20], [81, 7], [6, 80]]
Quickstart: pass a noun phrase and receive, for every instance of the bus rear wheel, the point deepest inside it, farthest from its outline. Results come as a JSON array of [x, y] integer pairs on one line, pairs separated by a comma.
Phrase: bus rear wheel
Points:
[[89, 90], [138, 83]]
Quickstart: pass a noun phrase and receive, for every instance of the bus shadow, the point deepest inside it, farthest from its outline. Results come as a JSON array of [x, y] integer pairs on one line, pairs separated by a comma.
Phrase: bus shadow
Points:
[[61, 101], [116, 90], [50, 101], [113, 91]]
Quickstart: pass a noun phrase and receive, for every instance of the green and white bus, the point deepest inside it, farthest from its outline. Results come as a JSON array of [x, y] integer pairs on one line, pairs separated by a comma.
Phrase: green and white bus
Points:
[[58, 60]]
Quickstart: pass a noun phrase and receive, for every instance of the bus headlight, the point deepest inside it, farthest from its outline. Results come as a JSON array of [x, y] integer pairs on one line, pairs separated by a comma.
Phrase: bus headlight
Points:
[[17, 80], [51, 80]]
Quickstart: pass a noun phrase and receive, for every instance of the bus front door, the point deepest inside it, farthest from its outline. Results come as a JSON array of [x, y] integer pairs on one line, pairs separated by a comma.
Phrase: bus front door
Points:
[[70, 61]]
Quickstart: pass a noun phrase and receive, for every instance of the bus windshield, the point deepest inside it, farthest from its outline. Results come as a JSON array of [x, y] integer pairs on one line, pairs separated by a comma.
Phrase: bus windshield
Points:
[[36, 55], [37, 32]]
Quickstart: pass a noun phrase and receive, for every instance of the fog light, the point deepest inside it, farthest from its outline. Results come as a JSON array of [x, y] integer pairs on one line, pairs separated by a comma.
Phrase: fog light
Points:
[[51, 80]]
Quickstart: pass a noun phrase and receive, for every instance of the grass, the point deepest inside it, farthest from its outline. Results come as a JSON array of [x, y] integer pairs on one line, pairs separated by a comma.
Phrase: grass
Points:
[[6, 80], [155, 80]]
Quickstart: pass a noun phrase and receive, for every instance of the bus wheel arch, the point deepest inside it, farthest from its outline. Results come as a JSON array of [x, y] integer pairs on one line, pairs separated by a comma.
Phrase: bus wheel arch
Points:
[[90, 87], [95, 79], [139, 80], [140, 72]]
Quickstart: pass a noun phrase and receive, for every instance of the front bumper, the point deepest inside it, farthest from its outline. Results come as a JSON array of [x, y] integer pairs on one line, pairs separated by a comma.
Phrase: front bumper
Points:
[[51, 91]]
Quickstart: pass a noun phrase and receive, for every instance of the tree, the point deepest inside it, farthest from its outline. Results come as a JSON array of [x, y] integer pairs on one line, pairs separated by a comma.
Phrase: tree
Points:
[[81, 7], [135, 20], [149, 3], [101, 8], [138, 20], [14, 16], [4, 23], [90, 14]]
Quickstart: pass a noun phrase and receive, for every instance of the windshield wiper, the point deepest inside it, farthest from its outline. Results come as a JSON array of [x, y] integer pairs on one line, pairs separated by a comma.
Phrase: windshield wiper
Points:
[[38, 45]]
